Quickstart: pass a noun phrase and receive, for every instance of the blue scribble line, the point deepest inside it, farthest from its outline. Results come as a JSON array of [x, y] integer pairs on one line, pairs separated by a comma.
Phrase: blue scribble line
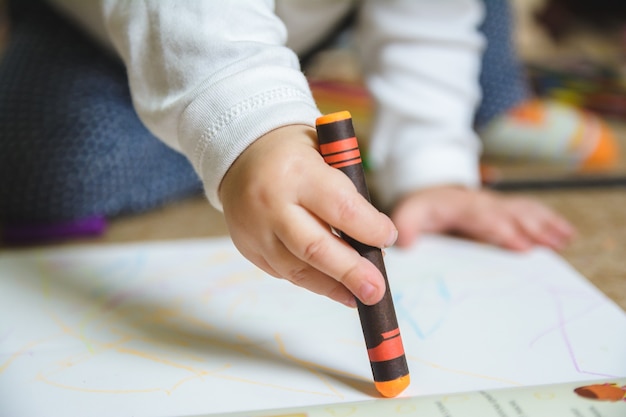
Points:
[[444, 293]]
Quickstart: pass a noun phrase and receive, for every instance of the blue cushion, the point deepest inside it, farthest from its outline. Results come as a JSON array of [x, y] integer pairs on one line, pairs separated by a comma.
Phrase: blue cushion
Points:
[[71, 144]]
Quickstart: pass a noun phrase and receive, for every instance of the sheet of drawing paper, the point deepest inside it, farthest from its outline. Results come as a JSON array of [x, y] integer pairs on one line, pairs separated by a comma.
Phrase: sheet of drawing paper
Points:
[[190, 327]]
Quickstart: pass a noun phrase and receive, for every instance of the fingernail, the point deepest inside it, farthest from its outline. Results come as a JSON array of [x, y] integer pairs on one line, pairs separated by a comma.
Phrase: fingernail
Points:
[[367, 292], [392, 238], [350, 302]]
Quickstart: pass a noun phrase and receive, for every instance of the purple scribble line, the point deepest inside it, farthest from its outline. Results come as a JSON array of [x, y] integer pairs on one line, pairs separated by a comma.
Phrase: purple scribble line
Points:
[[558, 326], [568, 343]]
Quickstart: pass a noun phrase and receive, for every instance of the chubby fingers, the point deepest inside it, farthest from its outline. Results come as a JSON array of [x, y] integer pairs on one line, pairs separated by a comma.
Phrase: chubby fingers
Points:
[[518, 223], [540, 224], [320, 260], [334, 199], [282, 264], [271, 255]]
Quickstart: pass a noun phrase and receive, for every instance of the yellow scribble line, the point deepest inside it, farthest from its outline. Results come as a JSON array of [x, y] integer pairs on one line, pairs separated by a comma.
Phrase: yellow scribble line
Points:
[[461, 372]]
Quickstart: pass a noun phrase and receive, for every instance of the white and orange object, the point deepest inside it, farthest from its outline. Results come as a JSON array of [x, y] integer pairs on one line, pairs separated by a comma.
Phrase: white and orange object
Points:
[[551, 131]]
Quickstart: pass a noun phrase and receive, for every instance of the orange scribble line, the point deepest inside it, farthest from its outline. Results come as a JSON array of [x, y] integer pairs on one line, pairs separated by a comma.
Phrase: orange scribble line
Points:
[[23, 350], [181, 382], [167, 362], [314, 368], [82, 357], [98, 314], [42, 378], [264, 384], [169, 391]]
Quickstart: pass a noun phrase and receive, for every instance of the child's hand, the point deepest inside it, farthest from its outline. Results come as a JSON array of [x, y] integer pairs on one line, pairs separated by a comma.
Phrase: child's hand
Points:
[[515, 223], [279, 198]]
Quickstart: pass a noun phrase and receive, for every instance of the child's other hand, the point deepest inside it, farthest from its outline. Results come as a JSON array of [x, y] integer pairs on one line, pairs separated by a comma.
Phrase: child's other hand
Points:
[[515, 223], [279, 198]]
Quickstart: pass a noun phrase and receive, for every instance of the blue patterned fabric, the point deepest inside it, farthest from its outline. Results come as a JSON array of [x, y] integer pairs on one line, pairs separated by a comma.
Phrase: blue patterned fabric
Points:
[[71, 145], [502, 79]]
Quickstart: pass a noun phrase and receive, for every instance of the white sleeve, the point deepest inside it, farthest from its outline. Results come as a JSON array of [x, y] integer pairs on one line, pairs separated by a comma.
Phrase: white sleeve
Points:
[[421, 61], [207, 77]]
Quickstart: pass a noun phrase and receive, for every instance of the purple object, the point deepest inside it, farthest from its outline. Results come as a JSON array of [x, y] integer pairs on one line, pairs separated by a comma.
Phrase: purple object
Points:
[[27, 233]]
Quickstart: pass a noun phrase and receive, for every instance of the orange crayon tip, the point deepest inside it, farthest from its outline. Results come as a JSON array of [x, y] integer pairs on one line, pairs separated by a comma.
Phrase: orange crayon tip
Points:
[[393, 388], [333, 117]]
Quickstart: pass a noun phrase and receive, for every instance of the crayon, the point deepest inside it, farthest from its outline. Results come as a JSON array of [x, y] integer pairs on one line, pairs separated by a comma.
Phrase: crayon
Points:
[[339, 147], [32, 233]]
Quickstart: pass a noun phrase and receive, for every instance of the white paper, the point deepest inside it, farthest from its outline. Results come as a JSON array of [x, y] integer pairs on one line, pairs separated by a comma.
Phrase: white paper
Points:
[[190, 327]]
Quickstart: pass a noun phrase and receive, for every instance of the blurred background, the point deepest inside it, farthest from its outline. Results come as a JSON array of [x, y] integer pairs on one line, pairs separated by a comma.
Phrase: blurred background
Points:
[[571, 52]]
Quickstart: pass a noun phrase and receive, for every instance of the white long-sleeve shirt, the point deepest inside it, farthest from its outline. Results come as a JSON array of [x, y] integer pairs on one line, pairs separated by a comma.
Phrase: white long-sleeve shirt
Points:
[[210, 77]]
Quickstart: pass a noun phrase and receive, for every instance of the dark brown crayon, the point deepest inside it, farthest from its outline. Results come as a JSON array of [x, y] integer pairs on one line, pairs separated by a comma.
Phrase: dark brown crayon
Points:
[[339, 147]]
